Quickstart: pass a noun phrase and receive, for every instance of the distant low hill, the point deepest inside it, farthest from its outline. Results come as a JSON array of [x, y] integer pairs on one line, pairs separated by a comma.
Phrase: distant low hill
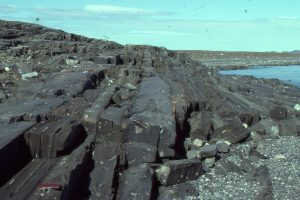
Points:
[[295, 52]]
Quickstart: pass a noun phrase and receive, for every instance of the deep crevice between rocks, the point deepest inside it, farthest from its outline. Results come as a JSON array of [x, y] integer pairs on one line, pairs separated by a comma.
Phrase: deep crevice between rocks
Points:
[[115, 184], [155, 188], [13, 157], [184, 132]]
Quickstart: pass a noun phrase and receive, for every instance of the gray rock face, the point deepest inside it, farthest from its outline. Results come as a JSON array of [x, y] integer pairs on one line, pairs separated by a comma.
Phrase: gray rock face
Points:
[[50, 140], [106, 160], [178, 171], [136, 183], [250, 118], [233, 132], [201, 125], [138, 153], [278, 113]]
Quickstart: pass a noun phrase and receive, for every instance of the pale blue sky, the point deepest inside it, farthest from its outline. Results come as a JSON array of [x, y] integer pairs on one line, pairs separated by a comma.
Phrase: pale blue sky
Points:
[[235, 25]]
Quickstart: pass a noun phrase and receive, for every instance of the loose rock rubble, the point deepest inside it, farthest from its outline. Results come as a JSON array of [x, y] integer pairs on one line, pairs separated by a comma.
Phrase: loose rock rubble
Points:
[[83, 118]]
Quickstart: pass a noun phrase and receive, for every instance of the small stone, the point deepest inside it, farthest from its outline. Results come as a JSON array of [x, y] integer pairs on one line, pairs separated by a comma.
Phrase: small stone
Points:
[[72, 62], [297, 107], [161, 154], [130, 86], [245, 125], [192, 154], [29, 75], [279, 157], [210, 162], [197, 142], [274, 131], [222, 147], [208, 151], [7, 69], [187, 144], [255, 136]]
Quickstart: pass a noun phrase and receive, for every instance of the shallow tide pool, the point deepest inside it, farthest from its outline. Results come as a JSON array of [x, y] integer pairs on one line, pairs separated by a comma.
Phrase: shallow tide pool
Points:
[[289, 74]]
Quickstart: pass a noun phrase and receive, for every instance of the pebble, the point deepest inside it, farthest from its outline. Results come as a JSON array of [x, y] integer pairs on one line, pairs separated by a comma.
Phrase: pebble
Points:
[[197, 143], [245, 125], [297, 107], [279, 157]]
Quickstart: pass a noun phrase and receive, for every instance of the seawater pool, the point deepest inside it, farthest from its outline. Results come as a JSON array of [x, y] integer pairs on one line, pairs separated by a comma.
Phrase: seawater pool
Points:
[[288, 74]]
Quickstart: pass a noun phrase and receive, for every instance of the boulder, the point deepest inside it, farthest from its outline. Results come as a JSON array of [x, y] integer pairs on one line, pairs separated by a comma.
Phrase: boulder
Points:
[[250, 118], [208, 151], [233, 132], [278, 113], [178, 171], [53, 139]]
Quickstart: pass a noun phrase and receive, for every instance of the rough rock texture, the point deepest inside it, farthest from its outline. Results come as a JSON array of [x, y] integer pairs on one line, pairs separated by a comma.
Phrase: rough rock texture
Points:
[[82, 118]]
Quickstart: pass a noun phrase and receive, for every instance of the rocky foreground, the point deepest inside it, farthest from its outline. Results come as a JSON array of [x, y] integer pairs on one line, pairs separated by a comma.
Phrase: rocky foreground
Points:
[[82, 118]]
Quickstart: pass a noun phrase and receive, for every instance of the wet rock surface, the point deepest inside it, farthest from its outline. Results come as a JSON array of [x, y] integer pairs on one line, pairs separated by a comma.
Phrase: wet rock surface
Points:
[[82, 118]]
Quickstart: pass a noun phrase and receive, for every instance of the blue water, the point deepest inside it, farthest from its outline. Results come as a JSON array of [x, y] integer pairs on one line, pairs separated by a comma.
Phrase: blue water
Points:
[[288, 74]]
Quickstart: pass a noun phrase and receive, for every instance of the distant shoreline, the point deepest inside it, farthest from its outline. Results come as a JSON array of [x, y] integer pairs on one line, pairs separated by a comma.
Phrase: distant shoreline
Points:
[[224, 60]]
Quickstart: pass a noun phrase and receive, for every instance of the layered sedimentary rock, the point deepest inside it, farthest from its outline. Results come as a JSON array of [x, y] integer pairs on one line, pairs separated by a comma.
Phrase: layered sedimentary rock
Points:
[[83, 118]]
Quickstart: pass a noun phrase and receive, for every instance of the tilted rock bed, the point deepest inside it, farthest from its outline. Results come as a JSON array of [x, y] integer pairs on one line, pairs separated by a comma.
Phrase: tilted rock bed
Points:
[[88, 119]]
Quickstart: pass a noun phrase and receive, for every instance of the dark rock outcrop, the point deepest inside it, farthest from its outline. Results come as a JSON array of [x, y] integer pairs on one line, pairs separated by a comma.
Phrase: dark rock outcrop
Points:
[[82, 118]]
